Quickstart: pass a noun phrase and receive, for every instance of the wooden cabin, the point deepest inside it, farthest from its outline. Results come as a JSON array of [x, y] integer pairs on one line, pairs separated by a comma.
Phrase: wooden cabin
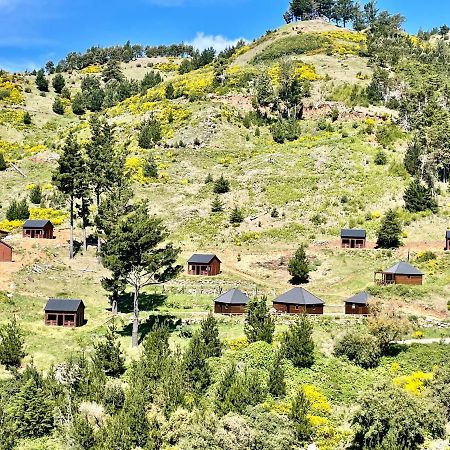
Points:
[[64, 313], [204, 264], [6, 252], [447, 240], [298, 301], [38, 229], [401, 273], [3, 234], [232, 302], [352, 238], [358, 304]]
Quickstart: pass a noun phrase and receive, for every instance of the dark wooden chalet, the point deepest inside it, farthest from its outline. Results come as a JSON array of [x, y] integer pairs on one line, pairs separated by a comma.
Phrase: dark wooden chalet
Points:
[[447, 240], [298, 301], [358, 304], [353, 238], [6, 252], [3, 234], [64, 313], [38, 229], [401, 273], [232, 302], [204, 264]]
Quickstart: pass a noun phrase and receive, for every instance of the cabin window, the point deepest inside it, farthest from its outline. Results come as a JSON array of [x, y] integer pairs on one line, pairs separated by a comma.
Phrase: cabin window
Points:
[[69, 318], [353, 306], [51, 317]]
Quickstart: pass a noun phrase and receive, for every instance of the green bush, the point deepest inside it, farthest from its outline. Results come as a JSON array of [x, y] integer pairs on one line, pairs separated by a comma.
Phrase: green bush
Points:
[[362, 349]]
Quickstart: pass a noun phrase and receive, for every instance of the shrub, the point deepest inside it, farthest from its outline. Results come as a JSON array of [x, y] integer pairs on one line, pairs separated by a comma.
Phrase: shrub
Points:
[[11, 345], [27, 118], [3, 165], [236, 216], [419, 198], [58, 107], [150, 168], [380, 158], [285, 130], [78, 104], [150, 133], [362, 349], [259, 325], [221, 185], [36, 195], [297, 344]]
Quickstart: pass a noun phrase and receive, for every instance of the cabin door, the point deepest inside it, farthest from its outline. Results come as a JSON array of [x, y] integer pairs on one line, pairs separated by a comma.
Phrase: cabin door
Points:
[[32, 234], [60, 320], [352, 243]]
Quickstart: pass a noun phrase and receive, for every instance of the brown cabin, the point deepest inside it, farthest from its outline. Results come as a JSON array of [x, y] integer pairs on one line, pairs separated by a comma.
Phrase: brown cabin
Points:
[[353, 238], [447, 240], [6, 252], [64, 313], [401, 273], [358, 304], [206, 265], [3, 234], [38, 229], [231, 302], [298, 301]]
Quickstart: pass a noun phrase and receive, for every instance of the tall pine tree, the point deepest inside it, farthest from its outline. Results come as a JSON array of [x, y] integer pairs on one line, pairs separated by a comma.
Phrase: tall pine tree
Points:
[[390, 231], [297, 344], [259, 324]]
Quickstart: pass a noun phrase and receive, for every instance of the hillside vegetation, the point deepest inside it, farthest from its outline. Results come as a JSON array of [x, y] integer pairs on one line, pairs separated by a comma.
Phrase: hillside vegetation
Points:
[[247, 154]]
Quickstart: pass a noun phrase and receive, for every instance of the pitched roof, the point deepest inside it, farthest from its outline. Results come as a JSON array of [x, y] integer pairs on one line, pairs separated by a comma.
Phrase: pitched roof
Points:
[[4, 243], [63, 305], [353, 233], [3, 233], [359, 299], [233, 297], [299, 296], [403, 268], [198, 258], [36, 223]]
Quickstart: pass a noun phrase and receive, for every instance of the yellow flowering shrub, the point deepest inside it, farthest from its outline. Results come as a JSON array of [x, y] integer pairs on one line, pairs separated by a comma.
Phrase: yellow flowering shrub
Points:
[[345, 35], [134, 169], [56, 216], [170, 66], [415, 383], [418, 334], [226, 161], [12, 117], [10, 225], [306, 72], [274, 73], [95, 68], [240, 76], [319, 403], [238, 343], [376, 215], [11, 92]]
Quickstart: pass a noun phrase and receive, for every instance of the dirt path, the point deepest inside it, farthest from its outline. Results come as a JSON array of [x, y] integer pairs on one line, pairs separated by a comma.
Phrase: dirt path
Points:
[[445, 341]]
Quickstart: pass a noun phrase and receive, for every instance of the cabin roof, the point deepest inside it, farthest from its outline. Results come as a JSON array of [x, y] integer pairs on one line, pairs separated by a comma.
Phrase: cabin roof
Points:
[[353, 233], [4, 243], [447, 234], [4, 232], [299, 296], [36, 223], [233, 297], [403, 268], [199, 258], [359, 299], [63, 305]]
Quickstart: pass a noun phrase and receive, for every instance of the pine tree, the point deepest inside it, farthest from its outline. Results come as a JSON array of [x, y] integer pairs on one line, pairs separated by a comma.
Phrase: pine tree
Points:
[[259, 324], [7, 427], [150, 167], [3, 165], [299, 416], [67, 178], [210, 337], [221, 186], [297, 344], [298, 267], [276, 383], [58, 83], [115, 434], [149, 133], [26, 118], [170, 91], [196, 369], [36, 194], [301, 9], [78, 104], [82, 433], [236, 216], [112, 71], [135, 417], [209, 179], [58, 107], [41, 81], [108, 355], [18, 210], [93, 94], [65, 93], [216, 205], [151, 79], [11, 345], [419, 198], [390, 231]]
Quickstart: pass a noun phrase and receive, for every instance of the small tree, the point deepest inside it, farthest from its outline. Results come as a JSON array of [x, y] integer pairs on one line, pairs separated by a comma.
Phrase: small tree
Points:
[[390, 231], [297, 343], [150, 167], [58, 107], [419, 198], [108, 355], [36, 194], [210, 337], [380, 158], [41, 81], [298, 267], [149, 133], [58, 83], [18, 210], [363, 349], [112, 71], [26, 118], [216, 205], [82, 433], [236, 216], [300, 408], [259, 324], [3, 165], [170, 91], [196, 368], [78, 104], [221, 186], [209, 179], [276, 383], [11, 345]]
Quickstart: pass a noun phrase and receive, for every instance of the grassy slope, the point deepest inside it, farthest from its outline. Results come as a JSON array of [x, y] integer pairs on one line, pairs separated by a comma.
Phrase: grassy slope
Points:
[[302, 179]]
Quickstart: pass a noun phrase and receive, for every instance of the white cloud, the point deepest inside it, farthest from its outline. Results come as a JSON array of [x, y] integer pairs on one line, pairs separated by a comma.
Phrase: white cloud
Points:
[[218, 42]]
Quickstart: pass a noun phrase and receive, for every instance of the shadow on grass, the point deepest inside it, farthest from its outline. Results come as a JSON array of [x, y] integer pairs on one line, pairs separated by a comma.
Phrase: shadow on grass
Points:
[[395, 350], [167, 320], [147, 302]]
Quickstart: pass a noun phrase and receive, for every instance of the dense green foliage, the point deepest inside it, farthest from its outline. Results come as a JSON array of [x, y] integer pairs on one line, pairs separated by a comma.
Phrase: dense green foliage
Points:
[[259, 325], [298, 267]]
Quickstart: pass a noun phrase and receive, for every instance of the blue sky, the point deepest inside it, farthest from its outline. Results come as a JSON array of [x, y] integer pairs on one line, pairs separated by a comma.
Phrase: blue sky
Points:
[[35, 31]]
